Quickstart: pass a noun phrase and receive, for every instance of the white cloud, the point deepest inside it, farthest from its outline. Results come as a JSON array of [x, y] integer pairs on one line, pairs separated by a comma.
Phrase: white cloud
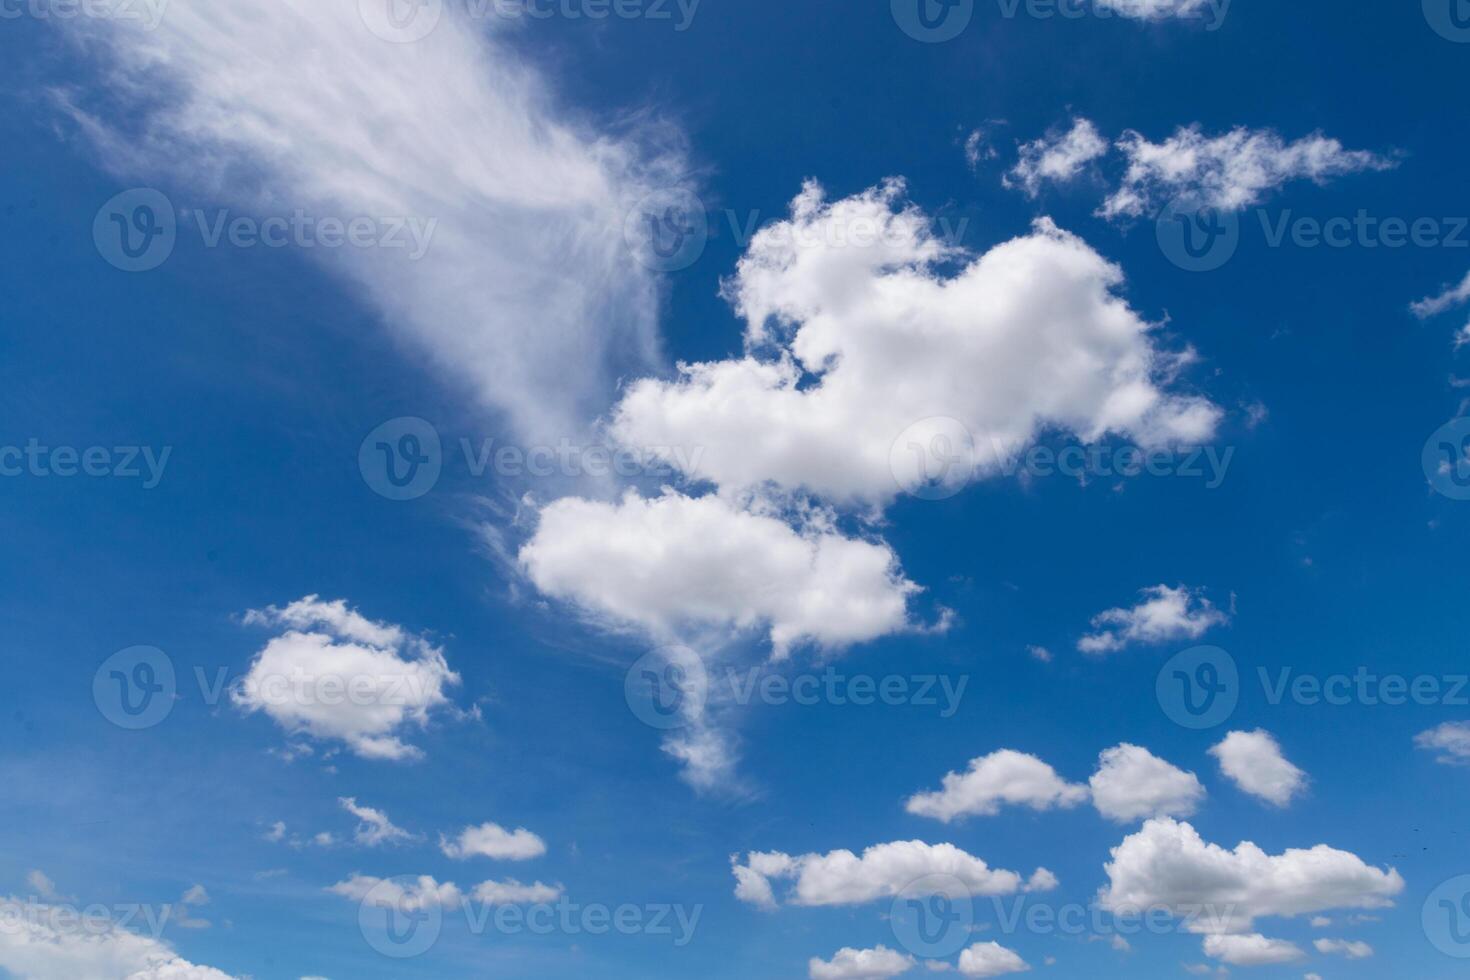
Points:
[[1132, 783], [512, 892], [1451, 739], [1058, 156], [491, 840], [1353, 949], [990, 960], [348, 679], [1253, 761], [1451, 297], [671, 562], [43, 887], [46, 942], [1163, 616], [992, 781], [1166, 864], [884, 870], [528, 290], [860, 964], [375, 827], [1158, 9], [1231, 172], [1251, 950], [1030, 335]]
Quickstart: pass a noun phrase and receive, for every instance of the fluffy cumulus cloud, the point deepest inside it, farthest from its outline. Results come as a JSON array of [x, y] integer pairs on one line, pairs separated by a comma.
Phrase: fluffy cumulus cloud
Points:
[[526, 290], [491, 840], [1253, 761], [46, 942], [672, 562], [1132, 783], [848, 298], [1004, 778], [1450, 739], [1251, 949], [1163, 615], [1058, 156], [991, 960], [884, 870], [335, 675], [1158, 9], [1166, 864], [1231, 171], [860, 964], [1353, 949]]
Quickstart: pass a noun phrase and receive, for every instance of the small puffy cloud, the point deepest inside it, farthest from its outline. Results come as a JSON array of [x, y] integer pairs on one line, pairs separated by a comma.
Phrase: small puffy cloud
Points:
[[1040, 654], [1451, 740], [1132, 783], [375, 828], [1001, 778], [1353, 949], [1251, 949], [1166, 864], [43, 887], [672, 562], [990, 960], [336, 676], [883, 871], [1156, 9], [1253, 761], [46, 942], [879, 963], [490, 840], [1164, 615], [425, 892], [1451, 297], [1231, 172], [852, 297], [1058, 157]]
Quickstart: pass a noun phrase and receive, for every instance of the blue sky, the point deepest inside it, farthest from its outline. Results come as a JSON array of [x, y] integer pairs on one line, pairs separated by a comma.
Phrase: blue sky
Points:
[[257, 382]]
